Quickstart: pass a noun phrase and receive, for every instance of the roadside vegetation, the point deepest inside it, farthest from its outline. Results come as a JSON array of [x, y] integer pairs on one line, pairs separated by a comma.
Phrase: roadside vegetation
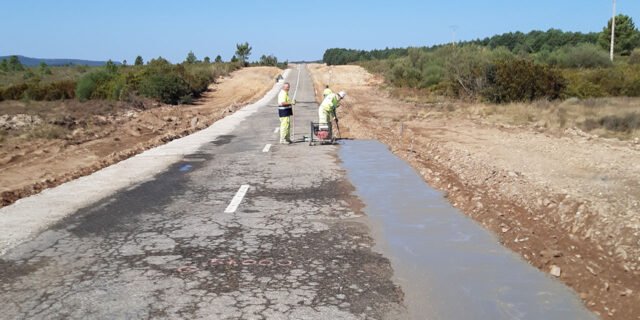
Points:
[[514, 69], [158, 79]]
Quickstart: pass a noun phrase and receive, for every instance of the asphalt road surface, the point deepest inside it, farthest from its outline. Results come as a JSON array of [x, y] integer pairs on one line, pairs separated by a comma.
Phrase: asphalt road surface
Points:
[[169, 248], [241, 227]]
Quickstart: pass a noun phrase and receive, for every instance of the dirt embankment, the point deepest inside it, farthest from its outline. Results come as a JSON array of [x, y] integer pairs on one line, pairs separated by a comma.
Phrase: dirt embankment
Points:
[[560, 198], [49, 143]]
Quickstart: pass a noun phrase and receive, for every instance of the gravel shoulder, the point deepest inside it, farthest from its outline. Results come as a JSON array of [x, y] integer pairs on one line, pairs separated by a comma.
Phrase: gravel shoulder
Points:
[[565, 200]]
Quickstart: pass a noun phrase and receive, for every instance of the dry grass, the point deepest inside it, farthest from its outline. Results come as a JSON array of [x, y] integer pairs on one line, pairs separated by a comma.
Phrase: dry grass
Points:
[[606, 117], [57, 74], [47, 131]]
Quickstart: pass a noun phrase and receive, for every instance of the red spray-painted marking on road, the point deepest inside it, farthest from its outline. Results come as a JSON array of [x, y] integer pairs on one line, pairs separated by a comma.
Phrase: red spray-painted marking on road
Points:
[[265, 262], [250, 262], [188, 269]]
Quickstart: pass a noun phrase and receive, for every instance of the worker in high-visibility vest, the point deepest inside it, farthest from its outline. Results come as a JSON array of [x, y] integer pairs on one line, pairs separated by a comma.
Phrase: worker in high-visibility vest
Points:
[[326, 92], [285, 111], [328, 107]]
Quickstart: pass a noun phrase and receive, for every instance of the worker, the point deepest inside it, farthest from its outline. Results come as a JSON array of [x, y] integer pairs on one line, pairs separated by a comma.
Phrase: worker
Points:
[[326, 92], [285, 111], [328, 107]]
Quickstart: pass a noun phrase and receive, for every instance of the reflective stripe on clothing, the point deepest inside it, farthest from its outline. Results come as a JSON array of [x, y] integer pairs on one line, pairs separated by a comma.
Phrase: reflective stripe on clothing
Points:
[[285, 111]]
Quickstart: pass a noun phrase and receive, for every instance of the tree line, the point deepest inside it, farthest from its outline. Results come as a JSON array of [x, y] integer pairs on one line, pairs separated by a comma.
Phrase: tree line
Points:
[[513, 66], [533, 42], [158, 78]]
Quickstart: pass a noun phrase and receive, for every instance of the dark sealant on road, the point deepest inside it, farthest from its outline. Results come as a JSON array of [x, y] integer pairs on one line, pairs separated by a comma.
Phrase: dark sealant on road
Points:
[[449, 266]]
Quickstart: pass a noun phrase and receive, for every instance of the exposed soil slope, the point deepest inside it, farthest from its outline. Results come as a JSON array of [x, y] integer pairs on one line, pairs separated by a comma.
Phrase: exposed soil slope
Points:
[[558, 197]]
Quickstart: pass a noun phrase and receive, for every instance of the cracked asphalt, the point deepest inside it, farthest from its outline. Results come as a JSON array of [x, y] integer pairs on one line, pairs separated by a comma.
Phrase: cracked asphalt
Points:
[[296, 248]]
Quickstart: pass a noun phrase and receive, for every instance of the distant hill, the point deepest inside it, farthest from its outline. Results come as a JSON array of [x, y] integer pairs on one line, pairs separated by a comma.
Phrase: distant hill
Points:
[[27, 61]]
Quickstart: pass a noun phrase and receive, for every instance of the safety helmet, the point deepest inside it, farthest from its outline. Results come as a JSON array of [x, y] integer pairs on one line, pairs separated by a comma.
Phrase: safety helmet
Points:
[[342, 94]]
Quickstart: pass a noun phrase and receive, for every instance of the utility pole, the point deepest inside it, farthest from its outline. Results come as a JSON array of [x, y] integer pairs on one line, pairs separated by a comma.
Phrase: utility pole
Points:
[[453, 35], [613, 29]]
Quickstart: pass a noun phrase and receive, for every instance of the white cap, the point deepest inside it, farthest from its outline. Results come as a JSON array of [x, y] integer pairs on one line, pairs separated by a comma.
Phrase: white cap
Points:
[[342, 94]]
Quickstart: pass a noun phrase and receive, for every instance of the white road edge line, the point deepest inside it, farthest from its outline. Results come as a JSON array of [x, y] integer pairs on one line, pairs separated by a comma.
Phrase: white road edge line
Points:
[[235, 202], [267, 147], [276, 130], [297, 83]]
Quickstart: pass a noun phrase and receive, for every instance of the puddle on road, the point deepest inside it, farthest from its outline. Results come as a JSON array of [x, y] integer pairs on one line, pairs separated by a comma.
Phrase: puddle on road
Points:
[[449, 266]]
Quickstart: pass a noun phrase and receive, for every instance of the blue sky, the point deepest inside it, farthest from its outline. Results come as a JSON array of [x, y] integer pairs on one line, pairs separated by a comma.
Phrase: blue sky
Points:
[[293, 30]]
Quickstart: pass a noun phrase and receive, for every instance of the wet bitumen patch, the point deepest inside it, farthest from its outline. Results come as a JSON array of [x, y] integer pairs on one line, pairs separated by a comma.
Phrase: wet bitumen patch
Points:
[[11, 270], [319, 192], [120, 212], [449, 266], [222, 140]]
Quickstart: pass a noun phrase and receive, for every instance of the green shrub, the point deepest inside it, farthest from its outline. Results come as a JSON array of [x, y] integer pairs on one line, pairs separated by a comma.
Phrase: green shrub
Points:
[[43, 68], [634, 58], [376, 66], [501, 53], [87, 86], [432, 74], [633, 86], [466, 68], [580, 87], [166, 87], [15, 92], [584, 55], [611, 80], [36, 90], [404, 75], [587, 55], [4, 65], [14, 64], [522, 80], [59, 90], [198, 82], [620, 80]]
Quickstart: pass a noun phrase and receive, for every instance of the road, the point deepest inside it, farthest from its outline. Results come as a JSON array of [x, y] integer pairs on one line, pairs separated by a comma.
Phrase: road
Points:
[[166, 248], [237, 226]]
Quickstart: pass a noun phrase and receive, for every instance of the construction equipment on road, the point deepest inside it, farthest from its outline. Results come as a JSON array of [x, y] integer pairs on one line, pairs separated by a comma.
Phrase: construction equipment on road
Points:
[[322, 133]]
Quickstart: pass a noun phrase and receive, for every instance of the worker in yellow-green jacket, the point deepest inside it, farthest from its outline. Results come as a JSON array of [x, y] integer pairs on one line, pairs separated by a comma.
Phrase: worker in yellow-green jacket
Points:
[[285, 111], [328, 107], [326, 92]]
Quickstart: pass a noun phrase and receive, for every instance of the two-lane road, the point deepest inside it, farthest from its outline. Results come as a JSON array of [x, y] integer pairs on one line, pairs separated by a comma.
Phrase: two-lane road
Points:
[[174, 247]]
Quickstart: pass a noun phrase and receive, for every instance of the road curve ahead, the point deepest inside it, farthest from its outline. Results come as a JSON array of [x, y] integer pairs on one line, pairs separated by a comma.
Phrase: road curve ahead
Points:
[[241, 228]]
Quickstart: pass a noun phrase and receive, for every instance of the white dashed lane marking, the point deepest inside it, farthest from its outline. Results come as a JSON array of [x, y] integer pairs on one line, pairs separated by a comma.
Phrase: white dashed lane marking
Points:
[[267, 147], [237, 199]]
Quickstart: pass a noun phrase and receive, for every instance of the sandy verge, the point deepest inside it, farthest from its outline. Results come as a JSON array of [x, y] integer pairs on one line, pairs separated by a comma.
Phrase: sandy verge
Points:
[[32, 165], [559, 198]]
